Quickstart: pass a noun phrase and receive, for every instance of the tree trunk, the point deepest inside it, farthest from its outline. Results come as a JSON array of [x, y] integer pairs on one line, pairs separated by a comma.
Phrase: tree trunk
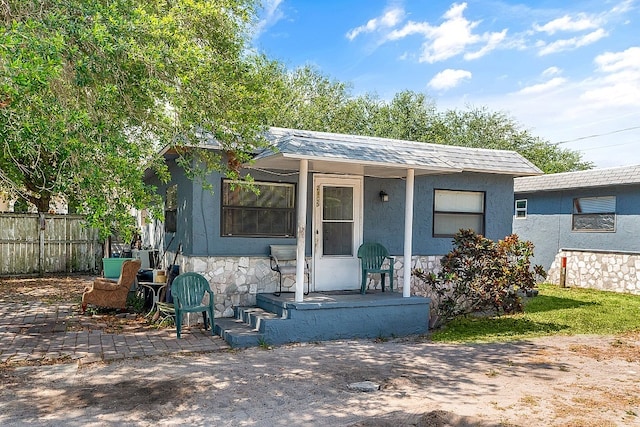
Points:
[[42, 202]]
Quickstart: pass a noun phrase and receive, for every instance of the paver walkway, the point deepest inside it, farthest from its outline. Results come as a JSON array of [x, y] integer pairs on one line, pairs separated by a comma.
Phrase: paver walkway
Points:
[[32, 332]]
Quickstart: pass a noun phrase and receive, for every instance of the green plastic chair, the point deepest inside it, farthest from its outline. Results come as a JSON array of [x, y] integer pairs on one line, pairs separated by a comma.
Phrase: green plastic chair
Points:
[[372, 257], [188, 291]]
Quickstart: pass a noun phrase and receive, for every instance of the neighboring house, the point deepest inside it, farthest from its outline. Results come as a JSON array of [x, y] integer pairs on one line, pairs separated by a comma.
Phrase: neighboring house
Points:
[[328, 193], [589, 218], [5, 202], [11, 204]]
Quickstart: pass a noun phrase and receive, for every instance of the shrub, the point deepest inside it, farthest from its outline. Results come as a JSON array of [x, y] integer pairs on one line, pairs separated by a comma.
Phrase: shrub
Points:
[[135, 302], [478, 275]]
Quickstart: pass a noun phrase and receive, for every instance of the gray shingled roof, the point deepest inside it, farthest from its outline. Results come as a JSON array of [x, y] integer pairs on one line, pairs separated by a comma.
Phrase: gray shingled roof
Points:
[[381, 156], [583, 179]]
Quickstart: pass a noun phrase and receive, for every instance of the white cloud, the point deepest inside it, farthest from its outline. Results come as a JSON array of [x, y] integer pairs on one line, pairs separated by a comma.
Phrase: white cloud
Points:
[[547, 86], [617, 61], [572, 43], [389, 19], [448, 79], [619, 90], [493, 41], [569, 24], [542, 87], [452, 37], [271, 13], [551, 71], [410, 28], [619, 84], [623, 6], [590, 28]]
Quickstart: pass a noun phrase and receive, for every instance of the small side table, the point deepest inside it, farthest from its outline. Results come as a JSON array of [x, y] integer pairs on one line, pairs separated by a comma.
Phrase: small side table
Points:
[[155, 288]]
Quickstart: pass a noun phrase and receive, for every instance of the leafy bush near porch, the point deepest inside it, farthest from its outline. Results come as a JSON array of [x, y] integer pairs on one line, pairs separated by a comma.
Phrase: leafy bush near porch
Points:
[[479, 275]]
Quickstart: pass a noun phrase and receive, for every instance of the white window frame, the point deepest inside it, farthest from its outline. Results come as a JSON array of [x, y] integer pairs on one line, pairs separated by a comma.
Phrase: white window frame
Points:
[[452, 211], [521, 212]]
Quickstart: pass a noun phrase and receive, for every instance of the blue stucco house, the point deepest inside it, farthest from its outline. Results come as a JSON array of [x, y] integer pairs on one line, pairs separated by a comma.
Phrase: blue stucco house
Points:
[[591, 219], [327, 194]]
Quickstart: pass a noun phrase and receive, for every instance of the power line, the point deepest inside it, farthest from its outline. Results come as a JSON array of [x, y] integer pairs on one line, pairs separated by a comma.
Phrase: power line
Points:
[[609, 146], [597, 135]]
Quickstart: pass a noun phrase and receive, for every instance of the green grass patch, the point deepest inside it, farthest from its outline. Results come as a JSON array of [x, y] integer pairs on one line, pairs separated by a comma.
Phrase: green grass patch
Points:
[[556, 310]]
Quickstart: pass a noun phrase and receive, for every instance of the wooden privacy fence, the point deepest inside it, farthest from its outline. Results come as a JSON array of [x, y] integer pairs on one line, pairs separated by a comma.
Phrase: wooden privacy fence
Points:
[[42, 243]]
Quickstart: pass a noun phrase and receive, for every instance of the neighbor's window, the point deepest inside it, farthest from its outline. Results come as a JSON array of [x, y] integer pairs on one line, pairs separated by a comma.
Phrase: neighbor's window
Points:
[[594, 214], [455, 210], [171, 209], [269, 212], [521, 208]]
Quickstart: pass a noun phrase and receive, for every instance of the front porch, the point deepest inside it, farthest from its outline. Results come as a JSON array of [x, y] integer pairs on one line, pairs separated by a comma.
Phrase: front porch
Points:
[[276, 320]]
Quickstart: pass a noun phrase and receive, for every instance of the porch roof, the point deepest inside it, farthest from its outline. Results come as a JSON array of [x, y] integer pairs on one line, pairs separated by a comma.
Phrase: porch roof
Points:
[[383, 157]]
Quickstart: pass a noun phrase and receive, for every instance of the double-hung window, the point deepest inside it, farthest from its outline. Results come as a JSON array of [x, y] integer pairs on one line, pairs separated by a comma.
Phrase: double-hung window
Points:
[[269, 211], [594, 214], [521, 208], [456, 210]]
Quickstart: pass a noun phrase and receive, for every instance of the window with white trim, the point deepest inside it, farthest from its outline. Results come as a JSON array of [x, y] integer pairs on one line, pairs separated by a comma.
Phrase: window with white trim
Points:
[[455, 210], [267, 212], [594, 214], [521, 208]]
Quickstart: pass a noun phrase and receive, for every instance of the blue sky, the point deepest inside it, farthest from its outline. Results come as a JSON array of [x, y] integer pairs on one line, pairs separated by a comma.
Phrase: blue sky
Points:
[[568, 71]]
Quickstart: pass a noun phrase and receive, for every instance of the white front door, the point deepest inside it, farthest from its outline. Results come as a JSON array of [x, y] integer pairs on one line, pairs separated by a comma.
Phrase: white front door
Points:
[[337, 232]]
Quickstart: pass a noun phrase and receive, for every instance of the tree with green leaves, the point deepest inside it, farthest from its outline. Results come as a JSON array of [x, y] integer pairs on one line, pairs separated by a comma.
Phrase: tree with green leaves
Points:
[[409, 115], [314, 101], [90, 90], [479, 127], [311, 100]]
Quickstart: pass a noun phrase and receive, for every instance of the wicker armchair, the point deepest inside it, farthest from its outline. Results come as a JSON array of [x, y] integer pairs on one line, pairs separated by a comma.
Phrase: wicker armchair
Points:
[[109, 293]]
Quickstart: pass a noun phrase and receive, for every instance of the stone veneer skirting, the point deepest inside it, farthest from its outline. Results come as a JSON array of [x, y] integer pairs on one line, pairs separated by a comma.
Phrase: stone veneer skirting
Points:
[[237, 280], [609, 271]]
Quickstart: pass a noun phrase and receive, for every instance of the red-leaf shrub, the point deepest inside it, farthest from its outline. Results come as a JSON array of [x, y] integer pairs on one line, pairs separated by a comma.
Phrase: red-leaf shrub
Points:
[[478, 275]]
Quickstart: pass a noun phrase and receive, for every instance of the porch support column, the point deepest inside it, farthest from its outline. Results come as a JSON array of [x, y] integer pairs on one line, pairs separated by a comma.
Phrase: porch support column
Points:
[[301, 228], [408, 232]]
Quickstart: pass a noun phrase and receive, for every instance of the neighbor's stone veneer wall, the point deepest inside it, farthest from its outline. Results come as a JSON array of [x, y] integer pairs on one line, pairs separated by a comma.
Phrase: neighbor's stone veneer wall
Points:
[[609, 271], [237, 280]]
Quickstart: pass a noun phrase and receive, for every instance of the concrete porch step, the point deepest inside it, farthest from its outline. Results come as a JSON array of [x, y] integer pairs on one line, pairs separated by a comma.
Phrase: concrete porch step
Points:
[[255, 317], [237, 333], [247, 329]]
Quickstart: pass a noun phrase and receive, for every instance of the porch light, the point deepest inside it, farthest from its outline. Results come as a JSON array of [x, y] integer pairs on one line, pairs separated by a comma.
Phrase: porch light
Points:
[[384, 196]]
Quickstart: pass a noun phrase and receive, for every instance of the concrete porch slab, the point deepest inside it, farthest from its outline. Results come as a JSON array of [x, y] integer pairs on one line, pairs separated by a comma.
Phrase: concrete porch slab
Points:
[[342, 315]]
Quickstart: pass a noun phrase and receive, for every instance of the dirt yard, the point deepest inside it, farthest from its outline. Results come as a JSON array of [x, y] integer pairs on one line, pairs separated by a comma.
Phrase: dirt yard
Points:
[[556, 381]]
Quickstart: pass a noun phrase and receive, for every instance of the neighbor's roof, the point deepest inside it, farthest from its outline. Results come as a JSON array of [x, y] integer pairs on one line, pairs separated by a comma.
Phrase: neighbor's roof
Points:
[[624, 175], [382, 157]]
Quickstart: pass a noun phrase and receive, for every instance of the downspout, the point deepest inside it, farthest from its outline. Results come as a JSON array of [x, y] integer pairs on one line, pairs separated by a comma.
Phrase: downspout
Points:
[[408, 232], [301, 229]]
